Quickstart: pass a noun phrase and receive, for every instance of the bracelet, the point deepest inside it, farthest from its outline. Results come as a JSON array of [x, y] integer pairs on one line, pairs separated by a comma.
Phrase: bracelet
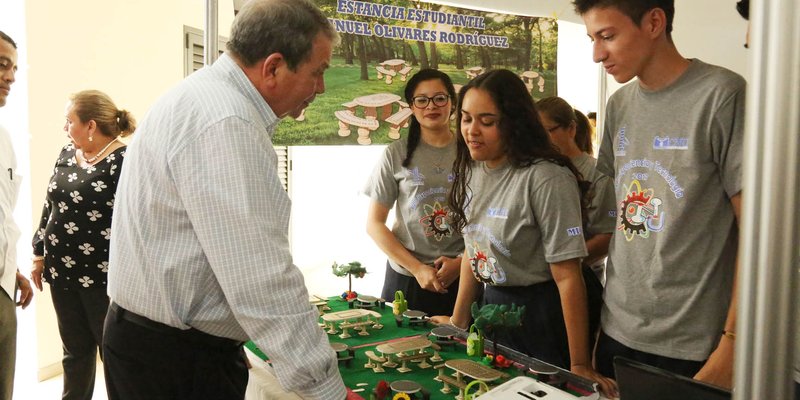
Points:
[[456, 326], [729, 334], [37, 258]]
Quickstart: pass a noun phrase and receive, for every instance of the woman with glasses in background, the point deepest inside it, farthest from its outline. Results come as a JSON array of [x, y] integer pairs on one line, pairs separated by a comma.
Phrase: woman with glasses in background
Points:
[[571, 133], [414, 175]]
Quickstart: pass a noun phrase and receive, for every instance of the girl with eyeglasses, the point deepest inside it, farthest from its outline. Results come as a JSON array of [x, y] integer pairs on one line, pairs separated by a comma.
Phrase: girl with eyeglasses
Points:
[[414, 175], [518, 203]]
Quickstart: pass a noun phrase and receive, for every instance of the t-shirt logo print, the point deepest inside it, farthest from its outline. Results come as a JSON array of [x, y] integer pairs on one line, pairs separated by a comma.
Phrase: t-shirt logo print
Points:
[[436, 221], [641, 212], [417, 178], [485, 267]]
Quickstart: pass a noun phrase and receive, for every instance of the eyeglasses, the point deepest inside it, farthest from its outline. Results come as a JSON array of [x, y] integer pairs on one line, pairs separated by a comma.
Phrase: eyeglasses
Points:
[[440, 100]]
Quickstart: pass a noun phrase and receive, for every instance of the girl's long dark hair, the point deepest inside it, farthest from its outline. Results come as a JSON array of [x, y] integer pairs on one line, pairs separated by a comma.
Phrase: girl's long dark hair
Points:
[[524, 139], [414, 129]]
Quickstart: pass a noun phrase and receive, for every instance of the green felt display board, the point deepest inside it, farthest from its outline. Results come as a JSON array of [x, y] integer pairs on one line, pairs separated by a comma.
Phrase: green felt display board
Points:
[[356, 373]]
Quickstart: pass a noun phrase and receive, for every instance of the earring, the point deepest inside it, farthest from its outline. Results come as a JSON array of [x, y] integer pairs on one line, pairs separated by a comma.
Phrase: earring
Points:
[[91, 138]]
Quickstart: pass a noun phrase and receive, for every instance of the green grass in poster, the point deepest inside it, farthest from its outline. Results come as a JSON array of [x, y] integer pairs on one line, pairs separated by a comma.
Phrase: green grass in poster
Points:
[[342, 84]]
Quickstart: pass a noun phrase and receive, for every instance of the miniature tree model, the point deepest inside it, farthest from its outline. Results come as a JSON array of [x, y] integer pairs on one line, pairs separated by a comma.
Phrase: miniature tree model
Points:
[[492, 318], [353, 268]]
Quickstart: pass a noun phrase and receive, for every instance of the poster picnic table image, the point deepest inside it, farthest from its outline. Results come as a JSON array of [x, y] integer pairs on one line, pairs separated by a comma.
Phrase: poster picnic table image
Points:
[[384, 43]]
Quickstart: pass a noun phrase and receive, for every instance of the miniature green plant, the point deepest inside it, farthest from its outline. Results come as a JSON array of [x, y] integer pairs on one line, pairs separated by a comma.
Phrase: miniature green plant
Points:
[[349, 270], [493, 318]]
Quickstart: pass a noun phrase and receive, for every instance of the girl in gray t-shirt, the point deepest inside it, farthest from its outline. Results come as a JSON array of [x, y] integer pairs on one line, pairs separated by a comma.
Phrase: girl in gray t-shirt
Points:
[[570, 131], [414, 175], [518, 203]]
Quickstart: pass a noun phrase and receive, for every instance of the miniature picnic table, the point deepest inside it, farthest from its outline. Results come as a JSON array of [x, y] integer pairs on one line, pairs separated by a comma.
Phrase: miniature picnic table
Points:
[[390, 68], [396, 351], [474, 72], [529, 76], [394, 64], [469, 368], [371, 103]]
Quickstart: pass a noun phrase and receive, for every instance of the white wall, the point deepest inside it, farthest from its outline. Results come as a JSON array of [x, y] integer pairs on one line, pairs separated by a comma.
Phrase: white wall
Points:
[[329, 216]]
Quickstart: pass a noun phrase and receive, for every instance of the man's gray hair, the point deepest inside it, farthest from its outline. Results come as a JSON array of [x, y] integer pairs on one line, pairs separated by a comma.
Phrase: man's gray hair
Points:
[[288, 27]]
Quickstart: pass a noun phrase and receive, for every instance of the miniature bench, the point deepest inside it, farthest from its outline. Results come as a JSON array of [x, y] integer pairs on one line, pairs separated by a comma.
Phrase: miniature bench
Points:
[[362, 325], [385, 72], [413, 357], [372, 357], [344, 354], [346, 118], [398, 120], [404, 72]]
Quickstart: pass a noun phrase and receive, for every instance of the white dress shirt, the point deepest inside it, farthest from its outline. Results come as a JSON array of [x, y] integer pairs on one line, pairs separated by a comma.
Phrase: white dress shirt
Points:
[[200, 229], [9, 232]]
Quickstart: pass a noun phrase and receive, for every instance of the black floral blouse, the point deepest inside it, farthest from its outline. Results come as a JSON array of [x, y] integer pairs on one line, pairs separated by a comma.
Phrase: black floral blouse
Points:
[[75, 229]]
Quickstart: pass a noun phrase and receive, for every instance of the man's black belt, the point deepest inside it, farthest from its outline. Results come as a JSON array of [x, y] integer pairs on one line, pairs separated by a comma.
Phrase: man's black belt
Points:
[[190, 335]]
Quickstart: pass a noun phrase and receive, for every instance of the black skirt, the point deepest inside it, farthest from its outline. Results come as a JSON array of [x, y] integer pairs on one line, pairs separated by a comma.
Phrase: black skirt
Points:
[[418, 298], [543, 334]]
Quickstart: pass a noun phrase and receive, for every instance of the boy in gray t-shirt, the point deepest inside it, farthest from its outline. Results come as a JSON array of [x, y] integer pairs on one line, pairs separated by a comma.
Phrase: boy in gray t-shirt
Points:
[[672, 141]]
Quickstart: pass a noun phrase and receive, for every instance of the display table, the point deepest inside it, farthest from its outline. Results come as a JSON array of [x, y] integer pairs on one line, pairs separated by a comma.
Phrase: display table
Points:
[[392, 340]]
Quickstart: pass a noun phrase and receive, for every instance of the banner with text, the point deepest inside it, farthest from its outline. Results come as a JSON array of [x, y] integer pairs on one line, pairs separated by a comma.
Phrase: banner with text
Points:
[[384, 43]]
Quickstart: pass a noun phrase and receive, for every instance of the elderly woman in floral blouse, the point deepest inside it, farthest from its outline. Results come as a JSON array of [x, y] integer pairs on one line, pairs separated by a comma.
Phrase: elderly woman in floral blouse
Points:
[[70, 249]]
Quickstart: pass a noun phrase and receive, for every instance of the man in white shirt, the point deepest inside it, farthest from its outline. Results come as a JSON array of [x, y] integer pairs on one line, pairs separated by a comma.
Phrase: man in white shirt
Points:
[[200, 257], [10, 278]]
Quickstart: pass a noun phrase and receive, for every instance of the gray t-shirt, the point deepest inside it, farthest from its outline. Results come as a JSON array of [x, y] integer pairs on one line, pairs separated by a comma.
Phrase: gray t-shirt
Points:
[[601, 213], [422, 221], [676, 157], [520, 220]]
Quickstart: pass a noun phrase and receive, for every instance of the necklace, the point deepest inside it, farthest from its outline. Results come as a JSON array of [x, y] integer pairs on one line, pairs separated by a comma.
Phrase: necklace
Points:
[[99, 153]]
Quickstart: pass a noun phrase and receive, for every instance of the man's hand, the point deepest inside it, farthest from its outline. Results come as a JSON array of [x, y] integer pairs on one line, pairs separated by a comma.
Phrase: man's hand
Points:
[[25, 291]]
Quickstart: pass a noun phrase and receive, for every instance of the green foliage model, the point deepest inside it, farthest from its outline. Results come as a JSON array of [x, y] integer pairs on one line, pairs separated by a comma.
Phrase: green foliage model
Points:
[[349, 270]]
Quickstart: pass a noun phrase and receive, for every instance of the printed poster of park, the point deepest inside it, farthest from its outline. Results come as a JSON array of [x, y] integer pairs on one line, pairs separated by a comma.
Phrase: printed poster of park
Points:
[[385, 42]]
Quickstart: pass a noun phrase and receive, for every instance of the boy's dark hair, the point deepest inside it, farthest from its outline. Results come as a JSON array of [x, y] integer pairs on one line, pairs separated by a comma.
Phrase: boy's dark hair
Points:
[[591, 115], [634, 9], [8, 39]]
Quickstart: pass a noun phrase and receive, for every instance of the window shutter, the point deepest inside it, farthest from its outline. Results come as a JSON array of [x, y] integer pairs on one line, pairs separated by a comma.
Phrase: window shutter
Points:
[[193, 49], [284, 165]]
